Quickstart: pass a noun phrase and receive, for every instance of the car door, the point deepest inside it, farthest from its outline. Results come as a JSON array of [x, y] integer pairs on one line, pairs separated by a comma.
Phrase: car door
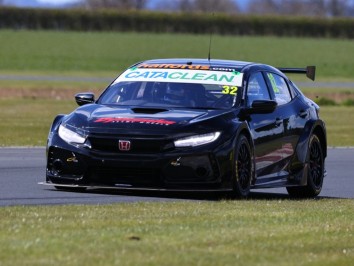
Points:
[[293, 113], [267, 131]]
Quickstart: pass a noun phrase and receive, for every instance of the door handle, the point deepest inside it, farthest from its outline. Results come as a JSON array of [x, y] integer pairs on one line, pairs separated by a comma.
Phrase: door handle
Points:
[[303, 113], [278, 122]]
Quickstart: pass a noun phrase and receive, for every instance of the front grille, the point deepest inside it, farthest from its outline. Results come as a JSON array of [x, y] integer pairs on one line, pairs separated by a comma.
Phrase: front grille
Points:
[[138, 145], [131, 176]]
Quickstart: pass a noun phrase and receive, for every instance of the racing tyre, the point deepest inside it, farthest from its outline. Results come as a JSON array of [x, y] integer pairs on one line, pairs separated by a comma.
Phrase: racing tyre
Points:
[[242, 176], [315, 173]]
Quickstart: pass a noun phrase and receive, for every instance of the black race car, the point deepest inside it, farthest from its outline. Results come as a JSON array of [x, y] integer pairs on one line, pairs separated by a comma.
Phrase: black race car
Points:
[[192, 124]]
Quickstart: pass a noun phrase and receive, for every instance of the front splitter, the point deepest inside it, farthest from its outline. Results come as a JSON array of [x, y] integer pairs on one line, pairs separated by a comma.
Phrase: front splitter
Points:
[[125, 187]]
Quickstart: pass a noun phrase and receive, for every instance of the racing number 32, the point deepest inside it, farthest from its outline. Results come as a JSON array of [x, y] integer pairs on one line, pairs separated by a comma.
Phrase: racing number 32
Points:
[[229, 90]]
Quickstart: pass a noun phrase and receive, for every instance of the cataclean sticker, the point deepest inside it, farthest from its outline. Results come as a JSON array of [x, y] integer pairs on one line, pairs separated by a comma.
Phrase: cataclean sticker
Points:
[[182, 76]]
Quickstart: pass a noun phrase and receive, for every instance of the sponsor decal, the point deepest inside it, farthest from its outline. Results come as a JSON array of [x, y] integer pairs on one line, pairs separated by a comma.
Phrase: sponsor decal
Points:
[[176, 162], [72, 159], [134, 120], [174, 66], [226, 69], [232, 90], [182, 76], [124, 145], [182, 66], [273, 82]]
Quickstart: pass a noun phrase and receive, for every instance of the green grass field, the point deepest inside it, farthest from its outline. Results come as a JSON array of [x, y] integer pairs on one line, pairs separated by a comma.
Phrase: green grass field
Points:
[[92, 52], [256, 232]]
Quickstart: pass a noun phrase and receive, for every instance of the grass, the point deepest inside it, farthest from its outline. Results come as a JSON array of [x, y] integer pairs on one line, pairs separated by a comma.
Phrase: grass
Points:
[[26, 122], [257, 232], [64, 52], [339, 125]]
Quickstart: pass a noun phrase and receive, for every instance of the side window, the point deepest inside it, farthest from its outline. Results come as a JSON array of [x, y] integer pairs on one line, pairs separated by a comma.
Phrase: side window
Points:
[[257, 88], [293, 89], [280, 89]]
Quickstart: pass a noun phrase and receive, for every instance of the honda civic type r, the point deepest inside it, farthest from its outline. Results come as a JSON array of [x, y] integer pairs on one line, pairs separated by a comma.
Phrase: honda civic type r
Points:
[[192, 125]]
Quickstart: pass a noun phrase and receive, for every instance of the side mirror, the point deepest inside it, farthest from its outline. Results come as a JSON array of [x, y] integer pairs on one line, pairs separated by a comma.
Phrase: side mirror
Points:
[[84, 98], [263, 106]]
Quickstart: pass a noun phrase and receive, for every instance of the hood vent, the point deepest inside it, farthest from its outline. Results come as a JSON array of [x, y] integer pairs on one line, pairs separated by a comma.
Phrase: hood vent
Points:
[[148, 110]]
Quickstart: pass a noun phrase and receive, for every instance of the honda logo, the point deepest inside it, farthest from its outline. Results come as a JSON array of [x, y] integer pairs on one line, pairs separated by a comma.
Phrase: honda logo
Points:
[[124, 145]]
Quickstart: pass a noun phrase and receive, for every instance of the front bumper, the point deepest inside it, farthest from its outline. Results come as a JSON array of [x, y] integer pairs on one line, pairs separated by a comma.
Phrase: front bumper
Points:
[[180, 170]]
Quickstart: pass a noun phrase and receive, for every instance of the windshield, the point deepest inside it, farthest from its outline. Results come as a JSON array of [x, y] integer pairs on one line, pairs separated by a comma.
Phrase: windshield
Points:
[[163, 88], [167, 94]]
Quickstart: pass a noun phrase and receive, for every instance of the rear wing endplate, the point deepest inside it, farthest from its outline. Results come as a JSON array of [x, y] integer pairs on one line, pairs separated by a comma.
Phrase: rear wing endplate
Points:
[[310, 71]]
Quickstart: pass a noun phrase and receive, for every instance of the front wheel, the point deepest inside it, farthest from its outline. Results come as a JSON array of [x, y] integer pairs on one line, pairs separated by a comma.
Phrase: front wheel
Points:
[[315, 173], [242, 176]]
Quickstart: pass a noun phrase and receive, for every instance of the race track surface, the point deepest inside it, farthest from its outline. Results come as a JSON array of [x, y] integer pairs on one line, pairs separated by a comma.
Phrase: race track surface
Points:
[[22, 168]]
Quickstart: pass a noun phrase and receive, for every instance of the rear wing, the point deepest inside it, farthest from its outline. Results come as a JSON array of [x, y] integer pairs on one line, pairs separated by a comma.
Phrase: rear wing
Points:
[[310, 71]]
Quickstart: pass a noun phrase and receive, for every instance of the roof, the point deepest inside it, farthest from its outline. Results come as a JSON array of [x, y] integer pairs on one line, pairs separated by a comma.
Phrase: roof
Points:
[[222, 65], [213, 64]]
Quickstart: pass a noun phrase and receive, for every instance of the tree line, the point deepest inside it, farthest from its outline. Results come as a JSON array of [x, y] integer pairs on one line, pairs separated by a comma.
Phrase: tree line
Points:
[[322, 8], [177, 22]]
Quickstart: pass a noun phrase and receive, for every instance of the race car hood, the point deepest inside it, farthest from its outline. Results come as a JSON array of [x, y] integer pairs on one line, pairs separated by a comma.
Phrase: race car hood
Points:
[[102, 118]]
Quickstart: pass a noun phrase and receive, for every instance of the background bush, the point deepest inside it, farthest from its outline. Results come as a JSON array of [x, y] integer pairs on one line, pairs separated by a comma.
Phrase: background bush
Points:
[[349, 102], [322, 101], [146, 21]]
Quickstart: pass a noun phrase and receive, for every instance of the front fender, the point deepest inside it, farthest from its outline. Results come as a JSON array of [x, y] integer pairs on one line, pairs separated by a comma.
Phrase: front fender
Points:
[[56, 122]]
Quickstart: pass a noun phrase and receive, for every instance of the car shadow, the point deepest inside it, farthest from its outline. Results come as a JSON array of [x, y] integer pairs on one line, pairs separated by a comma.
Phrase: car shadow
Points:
[[194, 195]]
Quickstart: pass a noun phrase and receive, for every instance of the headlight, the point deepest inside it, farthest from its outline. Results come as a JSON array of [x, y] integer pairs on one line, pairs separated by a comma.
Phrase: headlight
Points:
[[70, 136], [197, 140]]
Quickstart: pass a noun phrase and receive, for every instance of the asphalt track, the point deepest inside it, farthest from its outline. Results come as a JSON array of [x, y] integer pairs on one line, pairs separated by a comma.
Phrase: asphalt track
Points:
[[22, 168]]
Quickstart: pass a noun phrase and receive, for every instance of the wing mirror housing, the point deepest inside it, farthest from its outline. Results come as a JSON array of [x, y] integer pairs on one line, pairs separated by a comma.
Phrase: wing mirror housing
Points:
[[84, 98], [262, 106]]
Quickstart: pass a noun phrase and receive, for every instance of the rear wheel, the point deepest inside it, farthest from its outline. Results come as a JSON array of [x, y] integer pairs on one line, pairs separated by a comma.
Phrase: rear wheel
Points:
[[243, 168], [315, 173]]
